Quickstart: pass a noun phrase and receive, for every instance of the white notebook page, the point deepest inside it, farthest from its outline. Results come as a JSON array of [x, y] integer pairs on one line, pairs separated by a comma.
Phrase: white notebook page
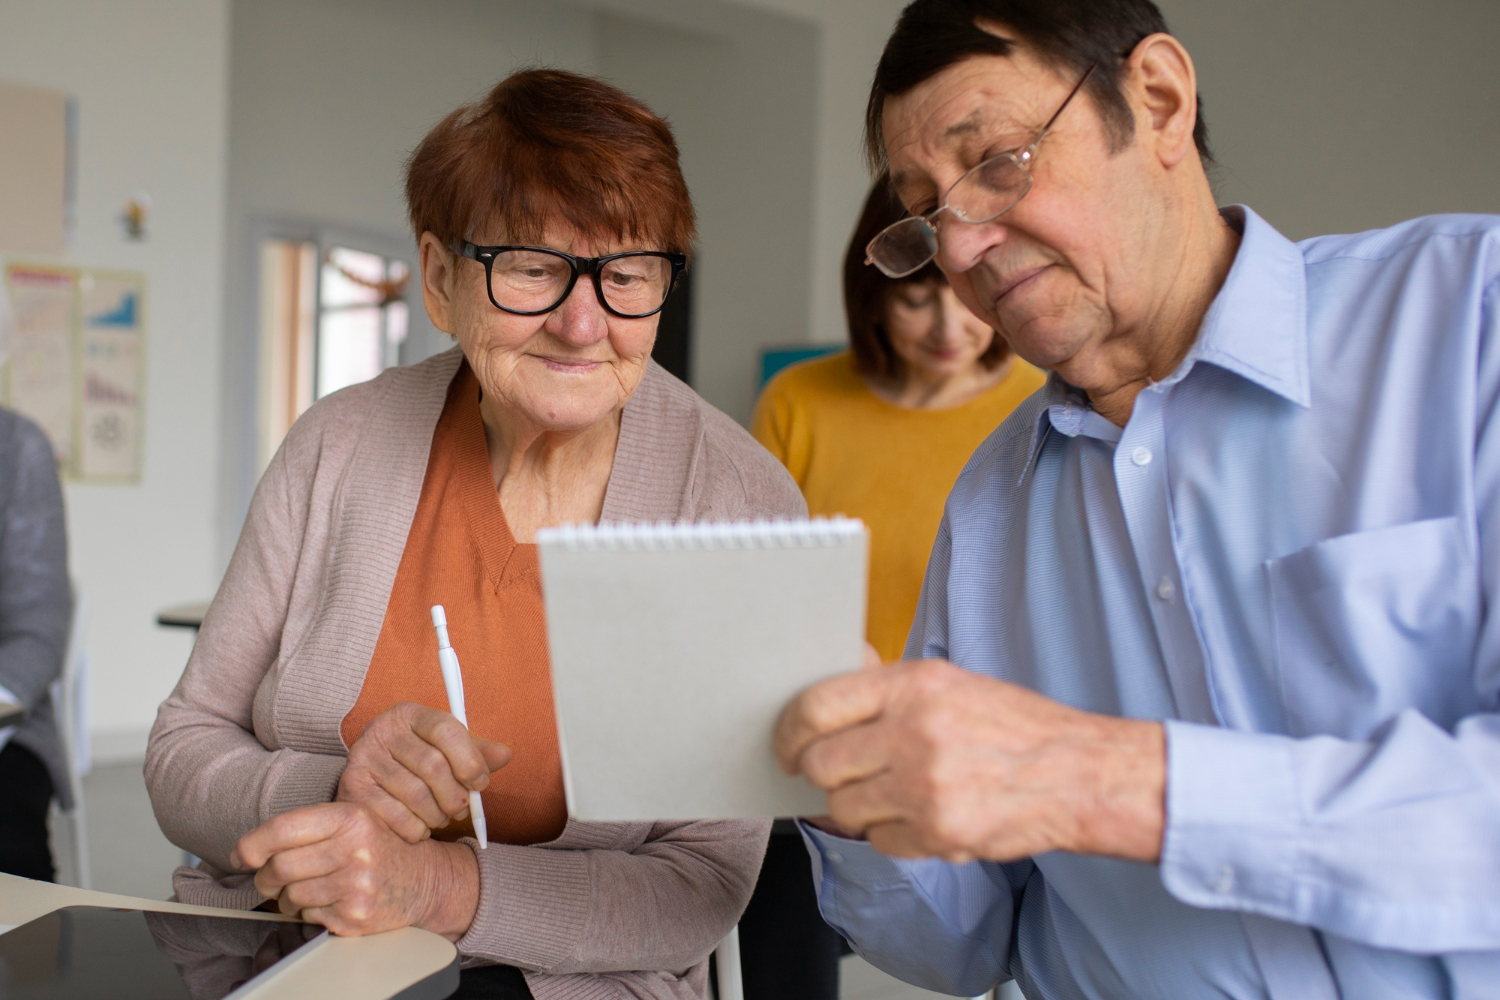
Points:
[[674, 649]]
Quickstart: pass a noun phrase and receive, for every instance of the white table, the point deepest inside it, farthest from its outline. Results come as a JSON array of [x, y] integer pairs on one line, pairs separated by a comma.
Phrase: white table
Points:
[[408, 964], [10, 713]]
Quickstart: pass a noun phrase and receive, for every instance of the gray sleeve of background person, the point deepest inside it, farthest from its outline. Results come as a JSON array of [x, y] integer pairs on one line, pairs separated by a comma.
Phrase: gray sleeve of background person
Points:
[[35, 597], [210, 778]]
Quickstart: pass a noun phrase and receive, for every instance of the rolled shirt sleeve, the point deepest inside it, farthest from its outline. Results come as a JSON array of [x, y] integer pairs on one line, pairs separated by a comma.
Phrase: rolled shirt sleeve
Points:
[[939, 926], [1388, 842]]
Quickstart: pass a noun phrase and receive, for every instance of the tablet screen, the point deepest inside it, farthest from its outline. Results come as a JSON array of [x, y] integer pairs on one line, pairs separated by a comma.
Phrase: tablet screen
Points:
[[90, 951]]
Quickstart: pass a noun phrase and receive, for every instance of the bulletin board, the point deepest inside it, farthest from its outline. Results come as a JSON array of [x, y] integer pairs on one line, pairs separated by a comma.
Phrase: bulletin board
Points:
[[77, 365]]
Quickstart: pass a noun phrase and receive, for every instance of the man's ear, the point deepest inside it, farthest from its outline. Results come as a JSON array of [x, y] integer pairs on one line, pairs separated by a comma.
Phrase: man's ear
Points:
[[1162, 87], [438, 264]]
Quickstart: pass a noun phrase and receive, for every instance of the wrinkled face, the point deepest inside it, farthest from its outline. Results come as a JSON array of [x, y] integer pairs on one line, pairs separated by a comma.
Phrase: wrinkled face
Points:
[[563, 371], [1063, 269], [932, 331]]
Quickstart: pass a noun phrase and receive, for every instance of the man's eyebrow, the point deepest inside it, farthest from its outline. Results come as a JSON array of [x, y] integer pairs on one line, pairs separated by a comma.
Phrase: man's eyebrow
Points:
[[965, 126], [972, 124]]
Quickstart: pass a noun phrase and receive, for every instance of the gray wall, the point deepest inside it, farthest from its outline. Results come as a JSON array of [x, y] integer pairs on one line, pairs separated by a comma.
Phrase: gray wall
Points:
[[1343, 115], [737, 86]]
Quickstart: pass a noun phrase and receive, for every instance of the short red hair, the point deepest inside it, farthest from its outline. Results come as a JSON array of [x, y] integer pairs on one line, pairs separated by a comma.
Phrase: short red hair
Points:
[[546, 147]]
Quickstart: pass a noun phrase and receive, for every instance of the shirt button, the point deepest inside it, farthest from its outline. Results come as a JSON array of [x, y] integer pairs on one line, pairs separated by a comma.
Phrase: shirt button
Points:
[[1141, 456], [1165, 590], [835, 857], [1225, 885]]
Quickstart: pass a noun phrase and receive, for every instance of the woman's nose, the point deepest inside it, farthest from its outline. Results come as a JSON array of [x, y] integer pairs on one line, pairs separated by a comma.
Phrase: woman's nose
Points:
[[580, 320], [953, 317]]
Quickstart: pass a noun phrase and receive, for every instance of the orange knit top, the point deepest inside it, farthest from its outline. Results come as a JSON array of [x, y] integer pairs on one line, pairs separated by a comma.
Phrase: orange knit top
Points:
[[460, 554]]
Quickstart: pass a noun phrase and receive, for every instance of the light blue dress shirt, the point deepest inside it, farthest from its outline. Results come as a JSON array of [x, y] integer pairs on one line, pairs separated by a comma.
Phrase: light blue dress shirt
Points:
[[1289, 553]]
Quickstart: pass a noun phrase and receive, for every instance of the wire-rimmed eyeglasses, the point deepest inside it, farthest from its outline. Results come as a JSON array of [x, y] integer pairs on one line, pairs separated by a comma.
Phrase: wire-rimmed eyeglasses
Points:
[[531, 281], [982, 194]]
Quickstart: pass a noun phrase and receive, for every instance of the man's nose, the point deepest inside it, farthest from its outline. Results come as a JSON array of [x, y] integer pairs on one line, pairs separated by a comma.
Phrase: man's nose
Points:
[[580, 320], [962, 245]]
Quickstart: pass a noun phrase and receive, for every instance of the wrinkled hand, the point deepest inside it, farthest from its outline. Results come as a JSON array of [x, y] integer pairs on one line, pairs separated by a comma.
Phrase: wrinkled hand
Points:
[[927, 760], [338, 864], [414, 766]]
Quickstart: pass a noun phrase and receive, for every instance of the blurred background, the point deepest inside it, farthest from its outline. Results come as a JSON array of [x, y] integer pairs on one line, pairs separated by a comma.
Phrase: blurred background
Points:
[[242, 159]]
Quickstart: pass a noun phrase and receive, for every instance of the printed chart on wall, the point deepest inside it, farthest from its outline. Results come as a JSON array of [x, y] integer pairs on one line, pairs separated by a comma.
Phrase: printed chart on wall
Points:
[[77, 365], [108, 416]]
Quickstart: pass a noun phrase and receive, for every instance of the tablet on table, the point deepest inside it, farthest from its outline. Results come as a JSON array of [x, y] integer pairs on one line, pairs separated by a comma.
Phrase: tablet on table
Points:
[[89, 951]]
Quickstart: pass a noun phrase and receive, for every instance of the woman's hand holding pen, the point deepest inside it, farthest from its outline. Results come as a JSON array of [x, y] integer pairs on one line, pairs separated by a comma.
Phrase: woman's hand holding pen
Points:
[[414, 767]]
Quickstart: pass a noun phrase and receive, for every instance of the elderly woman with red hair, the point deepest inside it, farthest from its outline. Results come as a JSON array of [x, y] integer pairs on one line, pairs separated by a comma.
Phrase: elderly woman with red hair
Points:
[[305, 755]]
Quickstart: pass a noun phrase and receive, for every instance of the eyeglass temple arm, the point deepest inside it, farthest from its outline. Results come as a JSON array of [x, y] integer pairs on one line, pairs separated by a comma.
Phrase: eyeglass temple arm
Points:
[[1066, 101]]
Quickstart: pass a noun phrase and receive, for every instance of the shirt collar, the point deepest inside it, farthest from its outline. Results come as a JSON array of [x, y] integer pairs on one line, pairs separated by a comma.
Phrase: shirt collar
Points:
[[1256, 328], [1257, 325]]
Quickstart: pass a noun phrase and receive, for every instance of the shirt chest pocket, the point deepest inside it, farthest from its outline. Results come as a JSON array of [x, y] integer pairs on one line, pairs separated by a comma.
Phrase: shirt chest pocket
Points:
[[1372, 623]]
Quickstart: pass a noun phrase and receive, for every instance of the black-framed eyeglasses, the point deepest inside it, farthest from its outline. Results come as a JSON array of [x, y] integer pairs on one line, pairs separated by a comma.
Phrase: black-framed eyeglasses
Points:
[[531, 281], [982, 194]]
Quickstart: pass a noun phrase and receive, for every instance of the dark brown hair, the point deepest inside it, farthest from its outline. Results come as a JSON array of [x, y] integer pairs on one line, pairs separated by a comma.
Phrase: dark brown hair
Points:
[[547, 147], [867, 292], [932, 35]]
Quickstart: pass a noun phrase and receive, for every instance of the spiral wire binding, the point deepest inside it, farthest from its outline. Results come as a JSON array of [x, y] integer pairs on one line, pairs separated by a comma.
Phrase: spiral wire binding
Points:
[[820, 532]]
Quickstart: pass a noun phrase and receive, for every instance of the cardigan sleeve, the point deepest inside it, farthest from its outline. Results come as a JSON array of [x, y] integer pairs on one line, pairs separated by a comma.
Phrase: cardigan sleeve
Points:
[[210, 779], [663, 904]]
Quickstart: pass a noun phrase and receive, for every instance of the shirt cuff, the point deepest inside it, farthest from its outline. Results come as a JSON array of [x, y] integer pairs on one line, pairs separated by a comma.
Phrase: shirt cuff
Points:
[[852, 862], [1234, 826]]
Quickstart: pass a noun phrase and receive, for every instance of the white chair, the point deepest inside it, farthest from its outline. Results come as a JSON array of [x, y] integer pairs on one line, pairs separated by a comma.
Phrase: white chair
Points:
[[70, 706], [729, 981]]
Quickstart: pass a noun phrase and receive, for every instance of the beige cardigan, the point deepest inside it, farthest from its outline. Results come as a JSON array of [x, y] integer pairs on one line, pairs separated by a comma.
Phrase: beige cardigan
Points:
[[252, 729]]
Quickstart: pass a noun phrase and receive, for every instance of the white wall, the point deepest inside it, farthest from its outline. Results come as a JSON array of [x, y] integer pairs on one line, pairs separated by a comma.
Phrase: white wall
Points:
[[151, 86], [327, 99], [1343, 115]]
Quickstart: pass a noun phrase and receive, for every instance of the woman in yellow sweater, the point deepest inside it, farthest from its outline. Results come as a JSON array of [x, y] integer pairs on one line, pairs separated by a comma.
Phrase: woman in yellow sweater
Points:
[[881, 431]]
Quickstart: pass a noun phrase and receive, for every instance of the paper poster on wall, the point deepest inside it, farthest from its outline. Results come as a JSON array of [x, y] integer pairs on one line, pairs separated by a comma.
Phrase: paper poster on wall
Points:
[[37, 168], [39, 377], [110, 368], [77, 364]]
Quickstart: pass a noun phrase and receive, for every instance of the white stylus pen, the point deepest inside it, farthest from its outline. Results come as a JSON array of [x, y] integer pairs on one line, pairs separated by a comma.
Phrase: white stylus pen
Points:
[[453, 681]]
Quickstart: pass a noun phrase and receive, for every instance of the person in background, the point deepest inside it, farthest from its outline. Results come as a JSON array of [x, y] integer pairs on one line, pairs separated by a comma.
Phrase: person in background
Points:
[[879, 432], [36, 606], [306, 755]]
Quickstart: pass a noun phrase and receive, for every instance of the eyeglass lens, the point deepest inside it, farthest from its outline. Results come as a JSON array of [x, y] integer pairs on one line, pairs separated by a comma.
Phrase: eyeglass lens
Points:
[[986, 192], [529, 281]]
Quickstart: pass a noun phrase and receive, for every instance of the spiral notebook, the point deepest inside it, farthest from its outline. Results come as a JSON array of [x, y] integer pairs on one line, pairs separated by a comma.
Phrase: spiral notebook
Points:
[[674, 649]]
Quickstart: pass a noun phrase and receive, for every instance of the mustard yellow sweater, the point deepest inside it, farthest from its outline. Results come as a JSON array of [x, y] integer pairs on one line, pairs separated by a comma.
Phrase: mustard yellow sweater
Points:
[[853, 453]]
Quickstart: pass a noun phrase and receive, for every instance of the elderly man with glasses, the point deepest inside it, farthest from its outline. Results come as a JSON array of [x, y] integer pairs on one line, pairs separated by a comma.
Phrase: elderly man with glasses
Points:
[[1201, 696]]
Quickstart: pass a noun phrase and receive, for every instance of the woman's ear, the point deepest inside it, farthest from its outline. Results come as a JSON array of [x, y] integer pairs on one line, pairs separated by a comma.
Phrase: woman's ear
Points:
[[438, 273], [1164, 88]]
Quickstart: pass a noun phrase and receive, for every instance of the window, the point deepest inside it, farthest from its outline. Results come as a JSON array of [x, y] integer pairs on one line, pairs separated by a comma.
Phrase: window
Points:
[[328, 320], [361, 317]]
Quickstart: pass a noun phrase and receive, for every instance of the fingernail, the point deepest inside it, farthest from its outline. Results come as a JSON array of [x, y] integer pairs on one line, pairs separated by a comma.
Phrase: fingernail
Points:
[[235, 862]]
